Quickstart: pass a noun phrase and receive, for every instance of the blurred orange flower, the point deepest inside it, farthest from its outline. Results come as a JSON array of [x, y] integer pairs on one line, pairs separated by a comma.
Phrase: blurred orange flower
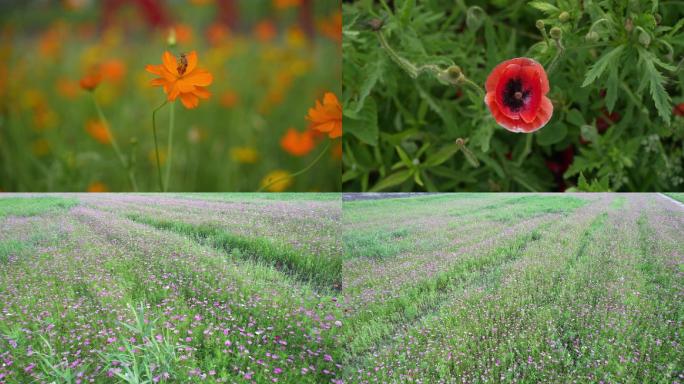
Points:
[[98, 131], [332, 26], [265, 30], [184, 34], [282, 4], [296, 143], [98, 186], [182, 78], [327, 117], [217, 33], [90, 81], [113, 70], [67, 88], [228, 99]]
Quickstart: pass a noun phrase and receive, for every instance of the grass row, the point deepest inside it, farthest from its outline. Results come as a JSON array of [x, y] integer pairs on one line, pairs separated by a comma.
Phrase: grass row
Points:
[[31, 206], [323, 271], [375, 322]]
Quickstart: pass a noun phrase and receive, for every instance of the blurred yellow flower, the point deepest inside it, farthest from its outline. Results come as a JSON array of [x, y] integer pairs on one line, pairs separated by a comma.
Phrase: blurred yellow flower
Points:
[[98, 131], [40, 147], [196, 134], [98, 186], [152, 156], [245, 155], [295, 37], [283, 4], [281, 180]]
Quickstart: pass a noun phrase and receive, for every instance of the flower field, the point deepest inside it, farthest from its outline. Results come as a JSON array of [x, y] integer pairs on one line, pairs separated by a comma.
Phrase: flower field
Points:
[[191, 95], [218, 288], [522, 288]]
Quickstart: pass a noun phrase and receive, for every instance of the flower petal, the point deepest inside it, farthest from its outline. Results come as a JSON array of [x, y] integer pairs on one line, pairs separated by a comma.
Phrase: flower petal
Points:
[[201, 92], [192, 61], [170, 63], [511, 73], [532, 87], [189, 100], [199, 77]]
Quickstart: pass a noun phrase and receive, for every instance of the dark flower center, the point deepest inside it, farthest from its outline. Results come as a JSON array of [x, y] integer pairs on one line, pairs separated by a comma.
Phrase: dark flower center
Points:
[[514, 96]]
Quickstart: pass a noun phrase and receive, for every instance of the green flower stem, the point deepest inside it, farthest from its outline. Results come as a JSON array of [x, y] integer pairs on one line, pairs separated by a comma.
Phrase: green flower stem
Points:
[[292, 176], [115, 145], [406, 65], [169, 150], [526, 151], [559, 52], [156, 146], [413, 70]]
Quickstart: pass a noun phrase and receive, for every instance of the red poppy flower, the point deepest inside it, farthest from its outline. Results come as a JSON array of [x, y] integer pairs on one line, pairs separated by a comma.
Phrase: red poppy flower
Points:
[[516, 95]]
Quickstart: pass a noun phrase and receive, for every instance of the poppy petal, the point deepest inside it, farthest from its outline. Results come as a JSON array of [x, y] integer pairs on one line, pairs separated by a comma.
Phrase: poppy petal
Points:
[[532, 88], [510, 75], [493, 78]]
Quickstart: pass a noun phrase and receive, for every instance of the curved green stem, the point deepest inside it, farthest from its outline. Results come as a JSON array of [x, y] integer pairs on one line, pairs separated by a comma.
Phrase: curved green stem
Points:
[[559, 52], [412, 69], [320, 155], [156, 146], [169, 148], [115, 145]]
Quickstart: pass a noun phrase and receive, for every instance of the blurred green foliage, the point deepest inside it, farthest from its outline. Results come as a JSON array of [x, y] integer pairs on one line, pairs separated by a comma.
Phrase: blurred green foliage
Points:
[[614, 85]]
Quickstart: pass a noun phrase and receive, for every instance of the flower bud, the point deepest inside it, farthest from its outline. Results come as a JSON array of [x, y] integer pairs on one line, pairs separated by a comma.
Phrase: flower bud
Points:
[[171, 38], [629, 25], [454, 72], [644, 39], [591, 37], [375, 24], [540, 24], [563, 17], [556, 33]]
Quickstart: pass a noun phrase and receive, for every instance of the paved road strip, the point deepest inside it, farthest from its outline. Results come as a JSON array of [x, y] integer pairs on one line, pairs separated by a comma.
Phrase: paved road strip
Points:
[[672, 200]]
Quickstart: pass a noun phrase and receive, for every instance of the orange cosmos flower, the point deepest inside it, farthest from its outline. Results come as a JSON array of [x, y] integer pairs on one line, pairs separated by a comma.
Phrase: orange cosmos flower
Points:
[[327, 117], [98, 131], [182, 78], [265, 30], [91, 81], [97, 186], [297, 144]]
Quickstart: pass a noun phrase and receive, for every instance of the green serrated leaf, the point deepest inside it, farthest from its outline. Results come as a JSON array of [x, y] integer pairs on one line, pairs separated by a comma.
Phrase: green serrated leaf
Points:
[[547, 8], [656, 82], [552, 135], [611, 88], [392, 180], [373, 72], [364, 124], [611, 58]]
